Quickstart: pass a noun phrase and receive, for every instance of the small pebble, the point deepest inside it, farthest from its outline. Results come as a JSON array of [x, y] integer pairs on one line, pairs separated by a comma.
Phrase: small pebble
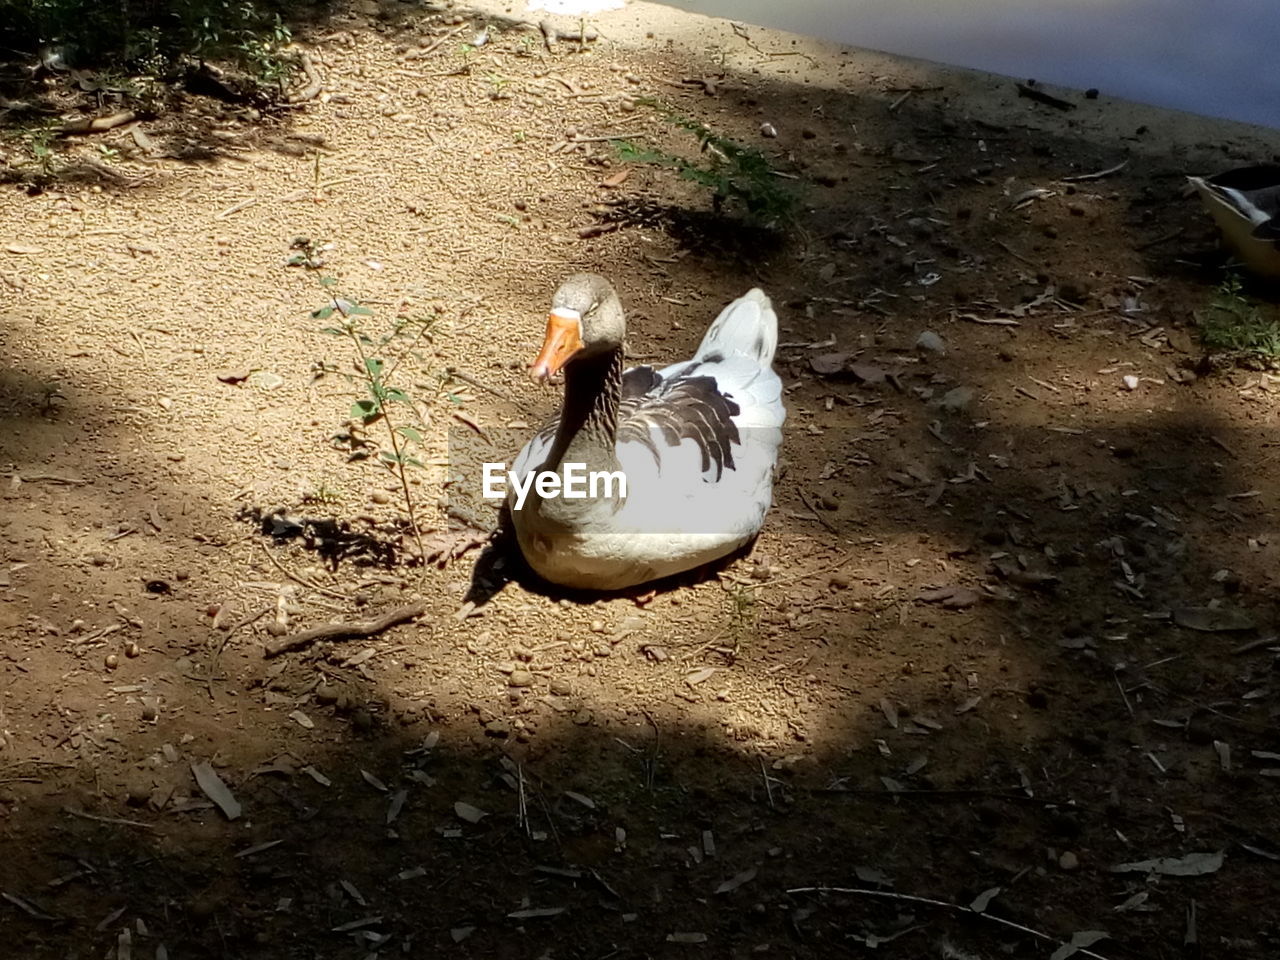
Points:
[[520, 678], [112, 661], [1068, 861], [561, 687], [380, 496], [768, 130], [930, 342], [131, 650], [1130, 382]]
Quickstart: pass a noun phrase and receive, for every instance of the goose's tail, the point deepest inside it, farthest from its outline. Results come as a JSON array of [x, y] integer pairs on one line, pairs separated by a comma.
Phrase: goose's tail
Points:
[[747, 327]]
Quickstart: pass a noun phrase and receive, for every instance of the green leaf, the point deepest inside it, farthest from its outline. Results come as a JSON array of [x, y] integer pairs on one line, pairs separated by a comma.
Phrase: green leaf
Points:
[[365, 409], [324, 313], [328, 281], [388, 457], [414, 462], [410, 433], [333, 331], [374, 367], [359, 311], [396, 395]]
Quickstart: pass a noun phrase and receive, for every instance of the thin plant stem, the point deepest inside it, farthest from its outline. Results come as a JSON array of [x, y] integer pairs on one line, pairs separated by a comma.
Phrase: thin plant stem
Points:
[[398, 466]]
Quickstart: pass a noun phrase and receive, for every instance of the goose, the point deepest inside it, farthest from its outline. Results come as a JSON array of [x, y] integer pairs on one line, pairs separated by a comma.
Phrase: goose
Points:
[[1246, 205], [686, 453]]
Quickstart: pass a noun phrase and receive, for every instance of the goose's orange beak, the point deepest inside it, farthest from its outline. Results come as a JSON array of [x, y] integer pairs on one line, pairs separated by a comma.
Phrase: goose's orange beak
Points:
[[563, 340]]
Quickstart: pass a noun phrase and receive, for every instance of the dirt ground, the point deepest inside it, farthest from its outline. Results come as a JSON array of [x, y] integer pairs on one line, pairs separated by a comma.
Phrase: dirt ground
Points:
[[1008, 630]]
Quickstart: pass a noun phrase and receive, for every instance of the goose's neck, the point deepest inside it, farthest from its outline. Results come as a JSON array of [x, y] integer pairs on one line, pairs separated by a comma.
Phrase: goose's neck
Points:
[[589, 423]]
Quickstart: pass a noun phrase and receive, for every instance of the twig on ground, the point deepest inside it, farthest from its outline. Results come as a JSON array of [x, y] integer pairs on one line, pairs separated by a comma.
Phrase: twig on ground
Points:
[[345, 631], [1015, 254], [98, 124], [236, 208], [306, 583], [1163, 238], [943, 904], [118, 821], [435, 44], [1048, 99], [50, 478], [1081, 177], [817, 516], [456, 374]]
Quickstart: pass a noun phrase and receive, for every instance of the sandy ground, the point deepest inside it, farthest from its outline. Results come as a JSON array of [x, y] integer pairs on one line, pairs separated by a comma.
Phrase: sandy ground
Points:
[[1004, 644]]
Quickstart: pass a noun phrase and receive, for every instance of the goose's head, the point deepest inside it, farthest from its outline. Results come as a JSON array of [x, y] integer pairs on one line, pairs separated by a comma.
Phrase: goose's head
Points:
[[586, 320]]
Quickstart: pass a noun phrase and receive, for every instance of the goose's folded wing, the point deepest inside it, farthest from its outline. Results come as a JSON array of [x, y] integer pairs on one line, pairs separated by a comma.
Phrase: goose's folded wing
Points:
[[658, 411]]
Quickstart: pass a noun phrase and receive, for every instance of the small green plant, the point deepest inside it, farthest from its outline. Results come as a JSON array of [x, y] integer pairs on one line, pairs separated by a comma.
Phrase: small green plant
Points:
[[465, 50], [323, 492], [1232, 324], [378, 360], [730, 170], [743, 616], [44, 158], [498, 87]]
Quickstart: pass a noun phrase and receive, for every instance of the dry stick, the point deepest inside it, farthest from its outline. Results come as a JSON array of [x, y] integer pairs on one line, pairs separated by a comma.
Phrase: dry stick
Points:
[[817, 516], [50, 478], [98, 124], [434, 44], [297, 579], [944, 904], [1164, 238], [344, 631], [119, 821], [1081, 177], [457, 374]]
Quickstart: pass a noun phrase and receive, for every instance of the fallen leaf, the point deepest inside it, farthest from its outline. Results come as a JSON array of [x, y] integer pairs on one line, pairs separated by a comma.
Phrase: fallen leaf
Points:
[[23, 248], [1079, 940], [467, 812], [616, 179], [952, 597], [686, 938], [1213, 619], [1192, 865], [872, 875], [737, 880], [983, 900], [868, 373], [215, 789], [828, 364]]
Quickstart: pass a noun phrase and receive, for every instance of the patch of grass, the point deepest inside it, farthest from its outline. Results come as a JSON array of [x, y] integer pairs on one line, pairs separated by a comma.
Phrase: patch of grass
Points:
[[733, 172], [1233, 324]]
